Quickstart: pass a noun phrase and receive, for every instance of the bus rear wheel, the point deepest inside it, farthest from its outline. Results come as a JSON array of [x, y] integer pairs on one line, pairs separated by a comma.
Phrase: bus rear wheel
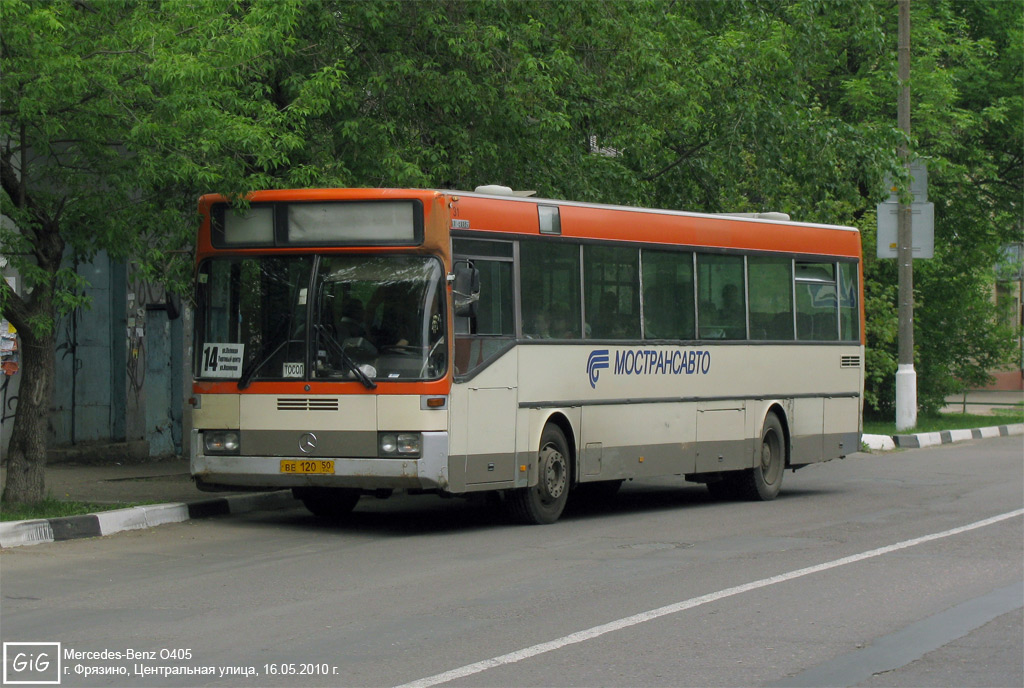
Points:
[[764, 480], [544, 502], [328, 503]]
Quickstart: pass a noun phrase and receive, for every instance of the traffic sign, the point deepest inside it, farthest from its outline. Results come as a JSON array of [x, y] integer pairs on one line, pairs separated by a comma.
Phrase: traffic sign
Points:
[[922, 229]]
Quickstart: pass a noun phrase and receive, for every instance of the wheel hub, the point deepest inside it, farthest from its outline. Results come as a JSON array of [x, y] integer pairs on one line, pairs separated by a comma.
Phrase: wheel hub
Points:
[[554, 472], [771, 457]]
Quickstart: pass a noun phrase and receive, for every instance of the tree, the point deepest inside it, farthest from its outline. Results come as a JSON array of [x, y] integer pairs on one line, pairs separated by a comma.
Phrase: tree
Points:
[[113, 115]]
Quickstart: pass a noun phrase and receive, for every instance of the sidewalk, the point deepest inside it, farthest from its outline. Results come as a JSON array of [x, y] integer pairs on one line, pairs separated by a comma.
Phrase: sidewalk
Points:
[[164, 490], [984, 402], [148, 482]]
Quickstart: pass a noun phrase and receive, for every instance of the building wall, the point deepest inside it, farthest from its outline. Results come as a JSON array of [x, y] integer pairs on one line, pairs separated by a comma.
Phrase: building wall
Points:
[[120, 368]]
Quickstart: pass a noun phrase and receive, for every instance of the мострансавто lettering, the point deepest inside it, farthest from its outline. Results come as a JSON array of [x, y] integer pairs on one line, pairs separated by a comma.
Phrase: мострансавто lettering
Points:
[[652, 362]]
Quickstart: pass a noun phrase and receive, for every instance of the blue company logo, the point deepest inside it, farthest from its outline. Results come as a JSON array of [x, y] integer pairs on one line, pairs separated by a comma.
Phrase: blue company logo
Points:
[[597, 360], [648, 362]]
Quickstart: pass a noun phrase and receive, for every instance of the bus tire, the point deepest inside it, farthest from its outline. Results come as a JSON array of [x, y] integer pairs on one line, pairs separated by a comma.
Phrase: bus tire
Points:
[[763, 482], [328, 503], [544, 502]]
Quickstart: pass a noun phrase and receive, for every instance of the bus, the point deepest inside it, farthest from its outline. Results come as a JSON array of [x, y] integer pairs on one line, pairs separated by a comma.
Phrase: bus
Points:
[[355, 342]]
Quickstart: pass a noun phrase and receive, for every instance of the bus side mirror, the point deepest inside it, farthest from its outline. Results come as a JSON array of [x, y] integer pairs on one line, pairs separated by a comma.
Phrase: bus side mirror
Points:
[[466, 289]]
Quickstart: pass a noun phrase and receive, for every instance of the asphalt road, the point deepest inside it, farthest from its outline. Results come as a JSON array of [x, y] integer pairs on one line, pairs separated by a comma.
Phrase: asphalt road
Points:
[[903, 569]]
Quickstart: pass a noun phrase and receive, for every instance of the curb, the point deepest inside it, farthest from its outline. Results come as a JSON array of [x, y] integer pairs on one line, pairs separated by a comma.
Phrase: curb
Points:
[[931, 439], [36, 532]]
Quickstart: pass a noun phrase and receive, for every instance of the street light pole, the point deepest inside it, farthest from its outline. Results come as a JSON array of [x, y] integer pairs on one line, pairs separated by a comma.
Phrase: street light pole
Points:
[[906, 376]]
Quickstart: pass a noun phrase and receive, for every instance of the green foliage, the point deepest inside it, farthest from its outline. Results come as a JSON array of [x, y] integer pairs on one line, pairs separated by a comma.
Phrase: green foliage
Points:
[[118, 114], [968, 122]]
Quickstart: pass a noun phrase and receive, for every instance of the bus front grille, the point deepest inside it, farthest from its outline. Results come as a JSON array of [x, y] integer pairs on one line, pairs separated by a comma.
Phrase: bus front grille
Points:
[[315, 404]]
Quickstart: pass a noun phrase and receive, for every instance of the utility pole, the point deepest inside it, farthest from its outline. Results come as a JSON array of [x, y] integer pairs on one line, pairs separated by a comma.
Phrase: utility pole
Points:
[[906, 376]]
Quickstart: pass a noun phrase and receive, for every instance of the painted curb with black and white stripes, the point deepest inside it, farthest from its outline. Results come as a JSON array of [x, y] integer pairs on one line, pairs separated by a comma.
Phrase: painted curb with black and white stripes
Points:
[[930, 439], [35, 532]]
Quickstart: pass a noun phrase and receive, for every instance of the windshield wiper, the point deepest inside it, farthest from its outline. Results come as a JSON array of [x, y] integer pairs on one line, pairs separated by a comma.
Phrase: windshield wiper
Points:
[[251, 370], [345, 358]]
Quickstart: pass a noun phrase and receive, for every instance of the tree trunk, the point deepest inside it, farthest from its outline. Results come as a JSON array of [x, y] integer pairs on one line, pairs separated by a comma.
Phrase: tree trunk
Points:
[[34, 317], [26, 460]]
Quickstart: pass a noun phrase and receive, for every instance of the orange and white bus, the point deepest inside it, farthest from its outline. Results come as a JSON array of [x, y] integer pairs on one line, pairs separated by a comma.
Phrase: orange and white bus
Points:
[[360, 341]]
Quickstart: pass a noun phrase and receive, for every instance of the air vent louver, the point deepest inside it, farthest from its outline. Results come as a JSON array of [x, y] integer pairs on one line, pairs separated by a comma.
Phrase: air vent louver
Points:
[[315, 404]]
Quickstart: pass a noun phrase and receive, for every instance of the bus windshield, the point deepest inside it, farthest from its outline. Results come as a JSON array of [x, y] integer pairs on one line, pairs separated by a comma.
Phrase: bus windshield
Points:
[[339, 317]]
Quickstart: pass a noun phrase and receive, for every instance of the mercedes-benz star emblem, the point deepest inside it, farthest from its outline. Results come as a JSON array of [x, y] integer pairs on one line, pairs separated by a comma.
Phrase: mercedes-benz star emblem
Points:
[[307, 443]]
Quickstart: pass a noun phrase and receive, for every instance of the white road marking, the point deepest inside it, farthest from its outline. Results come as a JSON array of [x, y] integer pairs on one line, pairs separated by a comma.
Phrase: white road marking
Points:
[[643, 617]]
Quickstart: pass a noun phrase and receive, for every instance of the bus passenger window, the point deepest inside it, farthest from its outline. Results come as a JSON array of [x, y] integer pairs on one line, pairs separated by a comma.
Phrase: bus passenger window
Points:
[[549, 274], [668, 295], [771, 298], [611, 279], [817, 304], [722, 313], [849, 308]]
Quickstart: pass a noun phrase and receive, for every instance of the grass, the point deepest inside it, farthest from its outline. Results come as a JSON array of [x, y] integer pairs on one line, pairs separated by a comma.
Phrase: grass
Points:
[[55, 508], [947, 421]]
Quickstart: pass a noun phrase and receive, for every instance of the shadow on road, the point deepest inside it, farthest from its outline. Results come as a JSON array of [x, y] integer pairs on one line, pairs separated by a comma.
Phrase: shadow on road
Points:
[[404, 515]]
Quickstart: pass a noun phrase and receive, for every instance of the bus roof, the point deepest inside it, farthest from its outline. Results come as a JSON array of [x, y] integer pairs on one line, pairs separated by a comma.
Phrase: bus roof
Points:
[[769, 218], [347, 193], [505, 214], [509, 213]]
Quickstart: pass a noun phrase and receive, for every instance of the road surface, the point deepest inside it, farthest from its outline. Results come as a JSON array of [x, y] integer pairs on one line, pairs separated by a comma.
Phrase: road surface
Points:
[[902, 569]]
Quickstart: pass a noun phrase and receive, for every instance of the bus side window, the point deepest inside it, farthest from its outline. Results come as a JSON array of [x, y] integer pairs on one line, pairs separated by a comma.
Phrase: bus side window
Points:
[[479, 338], [817, 302], [723, 309], [849, 307], [668, 295], [611, 279], [771, 297], [550, 277]]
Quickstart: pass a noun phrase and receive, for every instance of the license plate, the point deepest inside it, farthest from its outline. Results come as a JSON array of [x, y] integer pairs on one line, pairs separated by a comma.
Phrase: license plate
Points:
[[307, 466]]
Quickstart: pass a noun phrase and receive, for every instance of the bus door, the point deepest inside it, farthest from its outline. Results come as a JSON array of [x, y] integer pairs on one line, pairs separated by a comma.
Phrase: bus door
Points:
[[486, 367]]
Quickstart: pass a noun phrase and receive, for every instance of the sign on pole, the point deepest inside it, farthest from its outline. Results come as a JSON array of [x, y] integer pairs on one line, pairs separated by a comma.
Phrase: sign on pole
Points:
[[923, 229], [923, 213]]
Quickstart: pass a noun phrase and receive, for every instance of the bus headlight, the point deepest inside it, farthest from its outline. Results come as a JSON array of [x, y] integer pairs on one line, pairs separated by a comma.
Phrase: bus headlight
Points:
[[399, 443], [221, 441]]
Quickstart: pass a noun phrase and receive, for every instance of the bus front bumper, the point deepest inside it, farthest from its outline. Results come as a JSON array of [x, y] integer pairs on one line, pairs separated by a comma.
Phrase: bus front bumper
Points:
[[429, 471]]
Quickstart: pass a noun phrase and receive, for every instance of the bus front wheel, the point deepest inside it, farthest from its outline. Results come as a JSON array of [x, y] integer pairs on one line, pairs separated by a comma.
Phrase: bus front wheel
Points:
[[544, 502], [328, 503]]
